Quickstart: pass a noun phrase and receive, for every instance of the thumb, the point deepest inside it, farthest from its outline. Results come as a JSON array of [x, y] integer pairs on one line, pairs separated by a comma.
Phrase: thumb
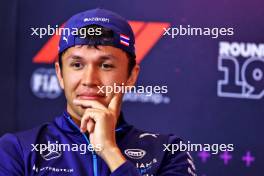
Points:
[[115, 103]]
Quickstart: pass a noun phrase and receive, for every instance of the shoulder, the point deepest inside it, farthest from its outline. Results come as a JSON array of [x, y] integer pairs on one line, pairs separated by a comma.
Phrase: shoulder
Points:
[[11, 150], [143, 136], [22, 140], [160, 151]]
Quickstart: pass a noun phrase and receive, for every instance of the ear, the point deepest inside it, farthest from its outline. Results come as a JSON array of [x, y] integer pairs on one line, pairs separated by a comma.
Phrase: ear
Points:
[[59, 74], [133, 76]]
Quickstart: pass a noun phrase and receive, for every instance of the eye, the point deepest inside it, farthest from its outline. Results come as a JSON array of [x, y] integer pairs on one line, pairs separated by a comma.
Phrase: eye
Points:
[[106, 66], [77, 65]]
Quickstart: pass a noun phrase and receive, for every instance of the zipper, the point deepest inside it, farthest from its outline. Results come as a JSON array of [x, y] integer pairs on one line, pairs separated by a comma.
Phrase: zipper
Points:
[[94, 156]]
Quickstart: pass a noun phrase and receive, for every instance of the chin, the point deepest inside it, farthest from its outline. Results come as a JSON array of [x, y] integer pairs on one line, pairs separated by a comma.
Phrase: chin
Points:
[[80, 111]]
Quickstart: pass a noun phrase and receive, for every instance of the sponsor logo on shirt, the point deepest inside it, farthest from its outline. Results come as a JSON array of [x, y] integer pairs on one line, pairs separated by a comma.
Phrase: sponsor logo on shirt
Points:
[[52, 169], [135, 153], [51, 155], [148, 134], [145, 167]]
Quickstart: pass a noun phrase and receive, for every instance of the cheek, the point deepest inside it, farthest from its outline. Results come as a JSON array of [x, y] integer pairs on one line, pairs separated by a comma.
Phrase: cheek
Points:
[[71, 81], [119, 75], [111, 78]]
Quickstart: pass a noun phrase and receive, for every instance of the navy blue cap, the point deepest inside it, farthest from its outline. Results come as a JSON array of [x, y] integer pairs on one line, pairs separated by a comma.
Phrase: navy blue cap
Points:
[[122, 32]]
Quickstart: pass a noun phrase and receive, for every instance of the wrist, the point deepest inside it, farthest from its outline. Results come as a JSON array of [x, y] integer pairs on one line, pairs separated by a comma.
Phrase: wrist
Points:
[[113, 157]]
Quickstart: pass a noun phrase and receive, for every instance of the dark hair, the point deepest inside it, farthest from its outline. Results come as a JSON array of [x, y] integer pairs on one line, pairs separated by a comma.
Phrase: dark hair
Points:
[[106, 38]]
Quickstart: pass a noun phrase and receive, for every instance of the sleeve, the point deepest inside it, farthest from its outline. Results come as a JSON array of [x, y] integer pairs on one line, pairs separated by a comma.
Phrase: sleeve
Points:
[[11, 156], [127, 169], [179, 163]]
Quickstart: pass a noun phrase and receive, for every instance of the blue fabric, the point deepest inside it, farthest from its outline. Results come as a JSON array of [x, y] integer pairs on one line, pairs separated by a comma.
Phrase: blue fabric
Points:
[[143, 150]]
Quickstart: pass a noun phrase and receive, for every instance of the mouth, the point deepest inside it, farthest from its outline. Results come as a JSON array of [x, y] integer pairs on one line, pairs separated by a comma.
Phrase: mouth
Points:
[[90, 96]]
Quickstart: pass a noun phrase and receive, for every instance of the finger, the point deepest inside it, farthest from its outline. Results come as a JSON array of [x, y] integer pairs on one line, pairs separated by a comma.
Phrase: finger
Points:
[[115, 103], [84, 122], [92, 114], [90, 126], [89, 104], [89, 117]]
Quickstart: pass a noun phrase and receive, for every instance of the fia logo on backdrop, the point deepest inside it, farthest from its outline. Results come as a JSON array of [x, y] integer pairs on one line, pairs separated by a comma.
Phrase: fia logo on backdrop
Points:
[[44, 83]]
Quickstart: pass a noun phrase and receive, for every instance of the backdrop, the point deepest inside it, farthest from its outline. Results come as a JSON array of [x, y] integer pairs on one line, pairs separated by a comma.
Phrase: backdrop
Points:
[[215, 85]]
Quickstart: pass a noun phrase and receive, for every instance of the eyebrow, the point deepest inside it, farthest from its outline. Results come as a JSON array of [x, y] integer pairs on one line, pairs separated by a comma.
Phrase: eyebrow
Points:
[[75, 57], [102, 57], [107, 57]]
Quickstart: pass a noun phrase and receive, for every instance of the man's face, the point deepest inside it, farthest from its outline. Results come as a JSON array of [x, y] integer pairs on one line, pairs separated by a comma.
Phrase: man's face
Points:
[[85, 68]]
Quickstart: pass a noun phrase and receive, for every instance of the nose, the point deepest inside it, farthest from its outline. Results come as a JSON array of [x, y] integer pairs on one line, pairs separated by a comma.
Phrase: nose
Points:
[[90, 77]]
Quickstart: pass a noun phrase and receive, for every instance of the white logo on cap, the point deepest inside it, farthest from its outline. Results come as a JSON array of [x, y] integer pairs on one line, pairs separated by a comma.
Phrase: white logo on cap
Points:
[[96, 19], [66, 39]]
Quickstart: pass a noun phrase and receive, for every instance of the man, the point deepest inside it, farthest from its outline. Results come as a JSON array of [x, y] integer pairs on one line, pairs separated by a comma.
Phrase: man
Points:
[[103, 55]]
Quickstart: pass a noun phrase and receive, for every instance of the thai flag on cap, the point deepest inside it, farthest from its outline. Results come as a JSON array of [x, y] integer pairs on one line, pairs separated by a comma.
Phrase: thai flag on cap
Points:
[[124, 40]]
